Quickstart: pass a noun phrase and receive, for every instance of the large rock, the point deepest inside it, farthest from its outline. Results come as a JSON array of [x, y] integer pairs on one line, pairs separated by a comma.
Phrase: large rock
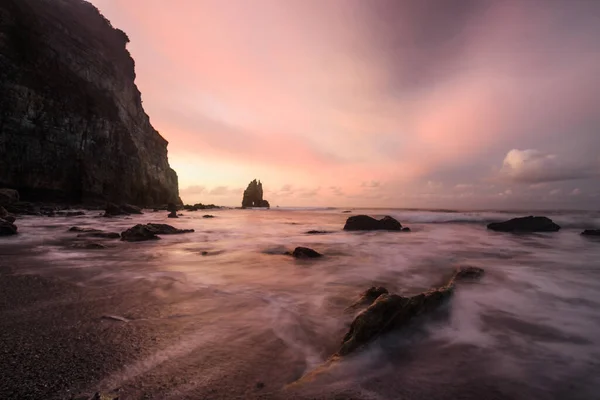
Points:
[[164, 229], [390, 311], [525, 224], [366, 223], [131, 209], [253, 196], [7, 196], [7, 228], [305, 252], [139, 233], [591, 232], [72, 123]]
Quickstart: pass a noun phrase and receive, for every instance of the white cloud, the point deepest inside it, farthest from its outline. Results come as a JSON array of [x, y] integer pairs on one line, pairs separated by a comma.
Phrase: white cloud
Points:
[[534, 166]]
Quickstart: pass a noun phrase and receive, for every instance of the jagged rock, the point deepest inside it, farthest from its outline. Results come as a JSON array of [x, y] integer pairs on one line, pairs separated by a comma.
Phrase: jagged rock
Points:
[[164, 229], [390, 311], [73, 126], [253, 196], [131, 209], [8, 196], [88, 246], [315, 232], [139, 233], [366, 223], [305, 252], [208, 216], [525, 224], [369, 296], [591, 232], [100, 234], [7, 228]]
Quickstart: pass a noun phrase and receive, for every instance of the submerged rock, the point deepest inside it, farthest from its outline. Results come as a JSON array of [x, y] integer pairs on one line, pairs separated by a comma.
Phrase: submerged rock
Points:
[[139, 233], [305, 252], [101, 235], [390, 311], [208, 216], [7, 228], [525, 224], [366, 223], [315, 232], [80, 229], [88, 246], [164, 229], [591, 232]]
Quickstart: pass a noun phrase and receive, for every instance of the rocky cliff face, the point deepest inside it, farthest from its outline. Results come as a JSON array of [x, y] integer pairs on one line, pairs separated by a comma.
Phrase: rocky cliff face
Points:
[[72, 126]]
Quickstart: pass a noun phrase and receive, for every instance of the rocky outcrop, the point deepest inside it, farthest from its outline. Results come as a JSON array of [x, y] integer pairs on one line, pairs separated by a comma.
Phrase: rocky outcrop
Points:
[[525, 224], [72, 126], [366, 223], [591, 232], [142, 232], [305, 252], [253, 196], [390, 311]]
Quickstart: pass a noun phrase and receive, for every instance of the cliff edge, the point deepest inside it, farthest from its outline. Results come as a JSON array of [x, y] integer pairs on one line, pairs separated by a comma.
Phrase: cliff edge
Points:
[[72, 126]]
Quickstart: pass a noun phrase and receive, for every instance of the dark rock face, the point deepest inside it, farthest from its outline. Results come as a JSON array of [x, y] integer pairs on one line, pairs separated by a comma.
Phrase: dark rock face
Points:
[[8, 196], [525, 224], [390, 311], [253, 196], [366, 223], [7, 228], [591, 232], [72, 126], [305, 252]]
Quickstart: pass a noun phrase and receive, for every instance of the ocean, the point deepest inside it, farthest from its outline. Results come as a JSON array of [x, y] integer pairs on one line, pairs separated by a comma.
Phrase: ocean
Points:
[[223, 313]]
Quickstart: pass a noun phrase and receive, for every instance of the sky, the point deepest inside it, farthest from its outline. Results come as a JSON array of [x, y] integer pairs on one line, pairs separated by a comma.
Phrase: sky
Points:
[[380, 103]]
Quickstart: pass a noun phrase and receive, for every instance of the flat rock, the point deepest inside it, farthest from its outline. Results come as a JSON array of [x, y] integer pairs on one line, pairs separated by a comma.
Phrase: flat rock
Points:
[[305, 252], [164, 229], [366, 223], [525, 224], [316, 232], [591, 232]]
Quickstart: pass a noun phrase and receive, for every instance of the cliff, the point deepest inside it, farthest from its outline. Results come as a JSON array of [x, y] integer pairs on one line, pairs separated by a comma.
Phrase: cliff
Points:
[[72, 126]]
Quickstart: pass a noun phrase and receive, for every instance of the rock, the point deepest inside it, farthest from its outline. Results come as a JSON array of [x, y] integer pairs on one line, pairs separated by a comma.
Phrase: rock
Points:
[[7, 228], [591, 232], [172, 208], [3, 212], [253, 196], [70, 213], [390, 311], [305, 252], [406, 229], [314, 232], [139, 233], [73, 126], [80, 229], [173, 214], [131, 209], [208, 216], [525, 224], [101, 235], [113, 210], [366, 223], [9, 218], [346, 212], [164, 229], [369, 296], [7, 196], [88, 246]]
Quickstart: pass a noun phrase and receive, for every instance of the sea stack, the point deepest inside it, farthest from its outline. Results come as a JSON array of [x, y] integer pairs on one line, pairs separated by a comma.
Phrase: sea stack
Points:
[[72, 124], [253, 196]]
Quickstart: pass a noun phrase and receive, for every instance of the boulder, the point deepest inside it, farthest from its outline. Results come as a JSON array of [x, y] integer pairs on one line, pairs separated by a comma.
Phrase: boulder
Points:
[[113, 210], [525, 224], [390, 311], [305, 252], [366, 223], [208, 216], [406, 229], [591, 232], [131, 209], [164, 229], [139, 233], [7, 228], [8, 196], [172, 214]]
